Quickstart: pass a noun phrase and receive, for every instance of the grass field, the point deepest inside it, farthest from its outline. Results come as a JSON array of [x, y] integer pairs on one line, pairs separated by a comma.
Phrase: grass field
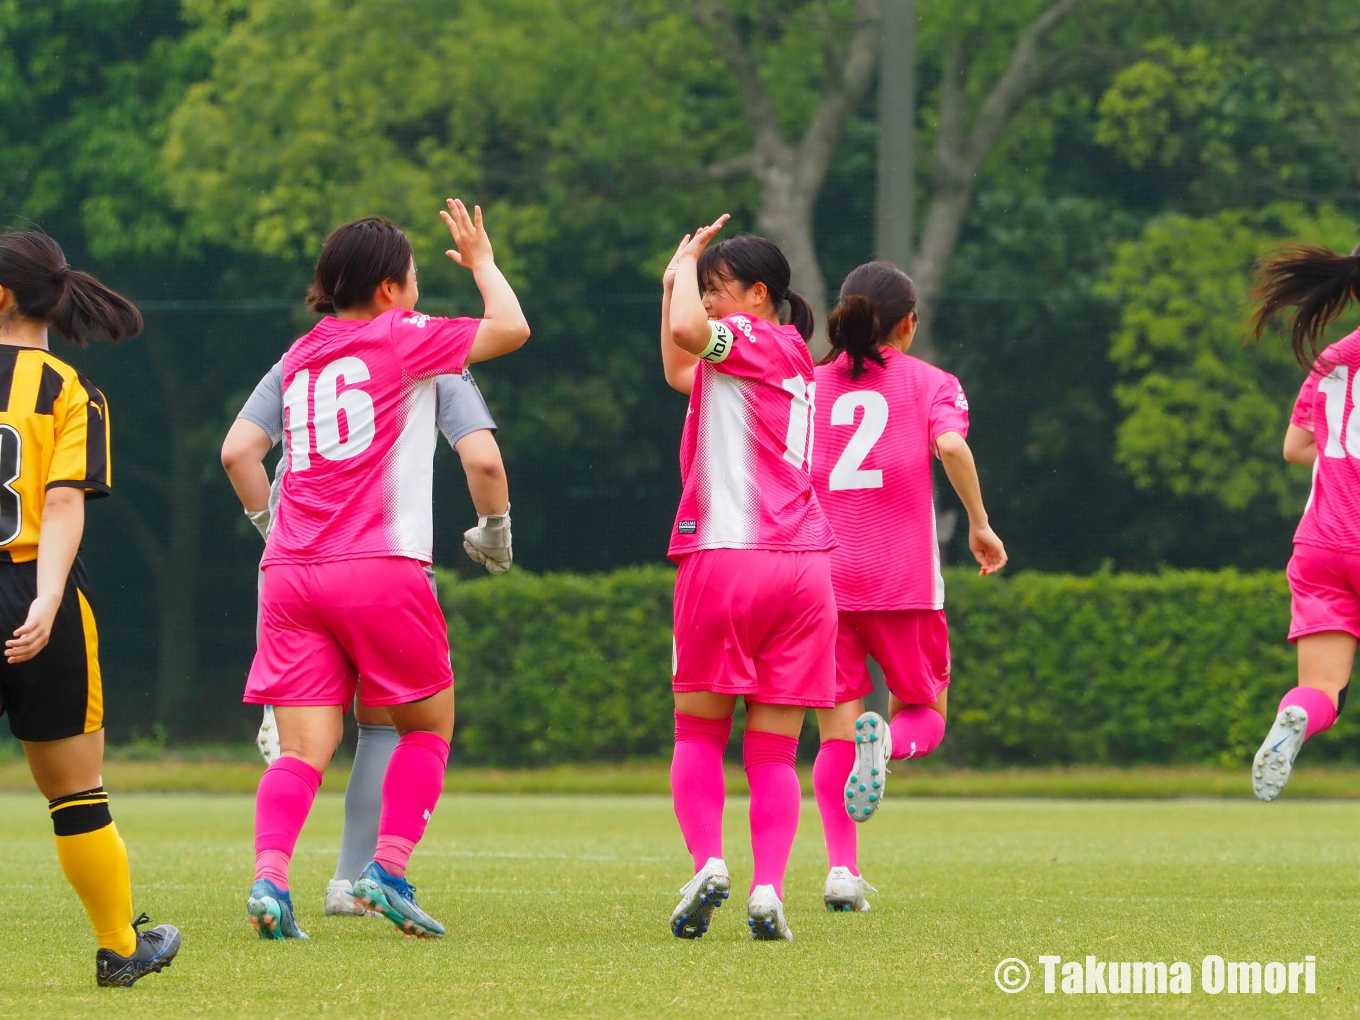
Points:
[[558, 906]]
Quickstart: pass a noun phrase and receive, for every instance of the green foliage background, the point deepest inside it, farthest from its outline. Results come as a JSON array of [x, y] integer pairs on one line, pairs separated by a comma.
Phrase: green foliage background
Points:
[[193, 153], [1180, 668]]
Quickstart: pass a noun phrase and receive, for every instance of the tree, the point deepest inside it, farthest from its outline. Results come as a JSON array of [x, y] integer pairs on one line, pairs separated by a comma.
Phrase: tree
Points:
[[1204, 415]]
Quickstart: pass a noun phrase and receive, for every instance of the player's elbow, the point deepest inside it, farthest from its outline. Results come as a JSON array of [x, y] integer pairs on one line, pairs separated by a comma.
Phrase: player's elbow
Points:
[[951, 446]]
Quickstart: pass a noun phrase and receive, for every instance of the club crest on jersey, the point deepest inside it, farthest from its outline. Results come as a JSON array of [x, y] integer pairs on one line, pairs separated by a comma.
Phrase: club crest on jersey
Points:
[[686, 527], [417, 319]]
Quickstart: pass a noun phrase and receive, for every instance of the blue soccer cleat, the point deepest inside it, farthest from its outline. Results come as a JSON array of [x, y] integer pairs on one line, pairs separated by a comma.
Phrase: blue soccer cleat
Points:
[[270, 911], [394, 898], [155, 950]]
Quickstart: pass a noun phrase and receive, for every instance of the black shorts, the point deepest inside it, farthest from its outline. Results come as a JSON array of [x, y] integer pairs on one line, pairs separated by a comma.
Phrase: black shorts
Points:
[[59, 692]]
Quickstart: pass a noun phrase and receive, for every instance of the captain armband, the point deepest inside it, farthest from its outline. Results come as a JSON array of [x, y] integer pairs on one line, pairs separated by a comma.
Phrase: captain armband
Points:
[[720, 341]]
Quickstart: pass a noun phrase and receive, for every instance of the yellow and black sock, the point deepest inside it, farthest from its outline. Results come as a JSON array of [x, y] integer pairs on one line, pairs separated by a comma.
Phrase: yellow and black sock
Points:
[[95, 861]]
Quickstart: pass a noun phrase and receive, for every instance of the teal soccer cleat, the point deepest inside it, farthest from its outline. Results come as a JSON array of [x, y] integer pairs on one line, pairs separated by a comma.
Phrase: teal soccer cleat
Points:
[[868, 780], [394, 898], [270, 911], [1273, 762]]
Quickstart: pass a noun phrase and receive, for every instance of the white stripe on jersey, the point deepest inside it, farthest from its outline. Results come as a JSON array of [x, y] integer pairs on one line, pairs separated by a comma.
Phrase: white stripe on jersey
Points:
[[938, 574], [408, 482], [726, 462]]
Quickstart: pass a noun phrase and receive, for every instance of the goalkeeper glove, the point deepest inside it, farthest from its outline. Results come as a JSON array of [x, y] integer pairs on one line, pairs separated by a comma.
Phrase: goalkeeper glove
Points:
[[489, 542], [260, 518]]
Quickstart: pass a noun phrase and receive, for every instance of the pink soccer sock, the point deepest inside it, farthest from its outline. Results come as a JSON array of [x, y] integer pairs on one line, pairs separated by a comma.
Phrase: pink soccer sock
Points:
[[282, 803], [411, 788], [775, 801], [834, 762], [1321, 711], [916, 731], [698, 787]]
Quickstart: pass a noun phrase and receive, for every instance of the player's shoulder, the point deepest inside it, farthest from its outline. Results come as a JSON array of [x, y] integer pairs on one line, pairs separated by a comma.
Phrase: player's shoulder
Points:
[[1345, 351]]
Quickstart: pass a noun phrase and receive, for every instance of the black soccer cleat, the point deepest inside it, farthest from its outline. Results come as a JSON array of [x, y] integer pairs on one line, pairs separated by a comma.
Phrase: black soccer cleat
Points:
[[155, 949]]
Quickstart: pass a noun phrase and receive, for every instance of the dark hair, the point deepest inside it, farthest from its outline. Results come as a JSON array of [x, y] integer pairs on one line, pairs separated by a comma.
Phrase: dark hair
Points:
[[874, 298], [1315, 280], [749, 260], [47, 289], [355, 260]]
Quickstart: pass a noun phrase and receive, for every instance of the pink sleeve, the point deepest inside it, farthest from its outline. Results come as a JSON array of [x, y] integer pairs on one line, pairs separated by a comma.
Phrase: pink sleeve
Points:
[[733, 349], [1303, 407], [428, 345], [949, 409]]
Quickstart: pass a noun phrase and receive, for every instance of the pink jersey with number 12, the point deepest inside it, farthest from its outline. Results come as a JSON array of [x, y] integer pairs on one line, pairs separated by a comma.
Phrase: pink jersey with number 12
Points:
[[872, 470], [1326, 408], [359, 418], [745, 450]]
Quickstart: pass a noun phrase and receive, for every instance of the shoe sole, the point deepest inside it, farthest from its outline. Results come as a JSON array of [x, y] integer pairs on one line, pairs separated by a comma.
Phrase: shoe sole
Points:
[[265, 916], [690, 921], [765, 926], [867, 784], [842, 904], [1270, 768], [369, 895]]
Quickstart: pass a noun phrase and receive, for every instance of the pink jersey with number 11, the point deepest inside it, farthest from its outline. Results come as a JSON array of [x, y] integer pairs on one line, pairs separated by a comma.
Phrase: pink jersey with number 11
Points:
[[1326, 408], [872, 470], [359, 408], [746, 444]]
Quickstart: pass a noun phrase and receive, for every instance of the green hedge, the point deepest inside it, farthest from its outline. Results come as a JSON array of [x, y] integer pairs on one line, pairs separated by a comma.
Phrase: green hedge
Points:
[[1112, 669]]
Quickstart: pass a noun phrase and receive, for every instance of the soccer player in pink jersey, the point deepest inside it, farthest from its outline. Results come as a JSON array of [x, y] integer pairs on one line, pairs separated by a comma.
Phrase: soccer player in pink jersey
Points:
[[1324, 572], [344, 593], [881, 416], [755, 616]]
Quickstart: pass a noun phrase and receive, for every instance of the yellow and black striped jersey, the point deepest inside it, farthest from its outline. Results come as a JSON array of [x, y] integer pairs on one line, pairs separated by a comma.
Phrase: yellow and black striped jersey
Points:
[[54, 430]]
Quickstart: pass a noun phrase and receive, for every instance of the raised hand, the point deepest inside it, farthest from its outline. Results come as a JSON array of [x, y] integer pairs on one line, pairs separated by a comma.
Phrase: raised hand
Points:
[[473, 246], [668, 277], [693, 247]]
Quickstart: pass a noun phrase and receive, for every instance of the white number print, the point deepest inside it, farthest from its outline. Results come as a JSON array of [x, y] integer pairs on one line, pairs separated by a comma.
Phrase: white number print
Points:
[[328, 402], [1333, 387], [847, 474], [798, 440]]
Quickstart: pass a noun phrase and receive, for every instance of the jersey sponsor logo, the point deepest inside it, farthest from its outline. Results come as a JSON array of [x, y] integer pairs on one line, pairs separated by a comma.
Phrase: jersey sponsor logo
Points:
[[687, 527], [961, 402], [744, 324], [417, 319]]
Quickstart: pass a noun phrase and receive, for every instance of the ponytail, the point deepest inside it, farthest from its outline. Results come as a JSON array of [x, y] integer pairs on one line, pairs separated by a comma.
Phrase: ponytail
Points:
[[1315, 280], [800, 314], [874, 299], [852, 329], [48, 290]]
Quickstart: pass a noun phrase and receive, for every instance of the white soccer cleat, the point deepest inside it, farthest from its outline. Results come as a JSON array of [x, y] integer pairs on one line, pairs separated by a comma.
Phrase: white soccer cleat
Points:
[[844, 891], [765, 916], [1270, 769], [699, 897], [869, 778], [267, 740], [340, 899]]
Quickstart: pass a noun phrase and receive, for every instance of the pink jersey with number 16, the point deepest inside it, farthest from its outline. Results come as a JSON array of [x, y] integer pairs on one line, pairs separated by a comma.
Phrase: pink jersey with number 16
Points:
[[872, 471], [746, 444], [1326, 408], [359, 418]]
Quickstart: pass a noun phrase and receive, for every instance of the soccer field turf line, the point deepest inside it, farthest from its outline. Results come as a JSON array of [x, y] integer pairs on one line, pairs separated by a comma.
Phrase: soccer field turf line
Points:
[[558, 906]]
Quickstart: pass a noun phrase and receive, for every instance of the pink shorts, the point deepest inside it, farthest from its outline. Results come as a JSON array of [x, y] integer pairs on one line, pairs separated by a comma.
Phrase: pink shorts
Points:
[[323, 625], [1326, 591], [911, 646], [756, 623]]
